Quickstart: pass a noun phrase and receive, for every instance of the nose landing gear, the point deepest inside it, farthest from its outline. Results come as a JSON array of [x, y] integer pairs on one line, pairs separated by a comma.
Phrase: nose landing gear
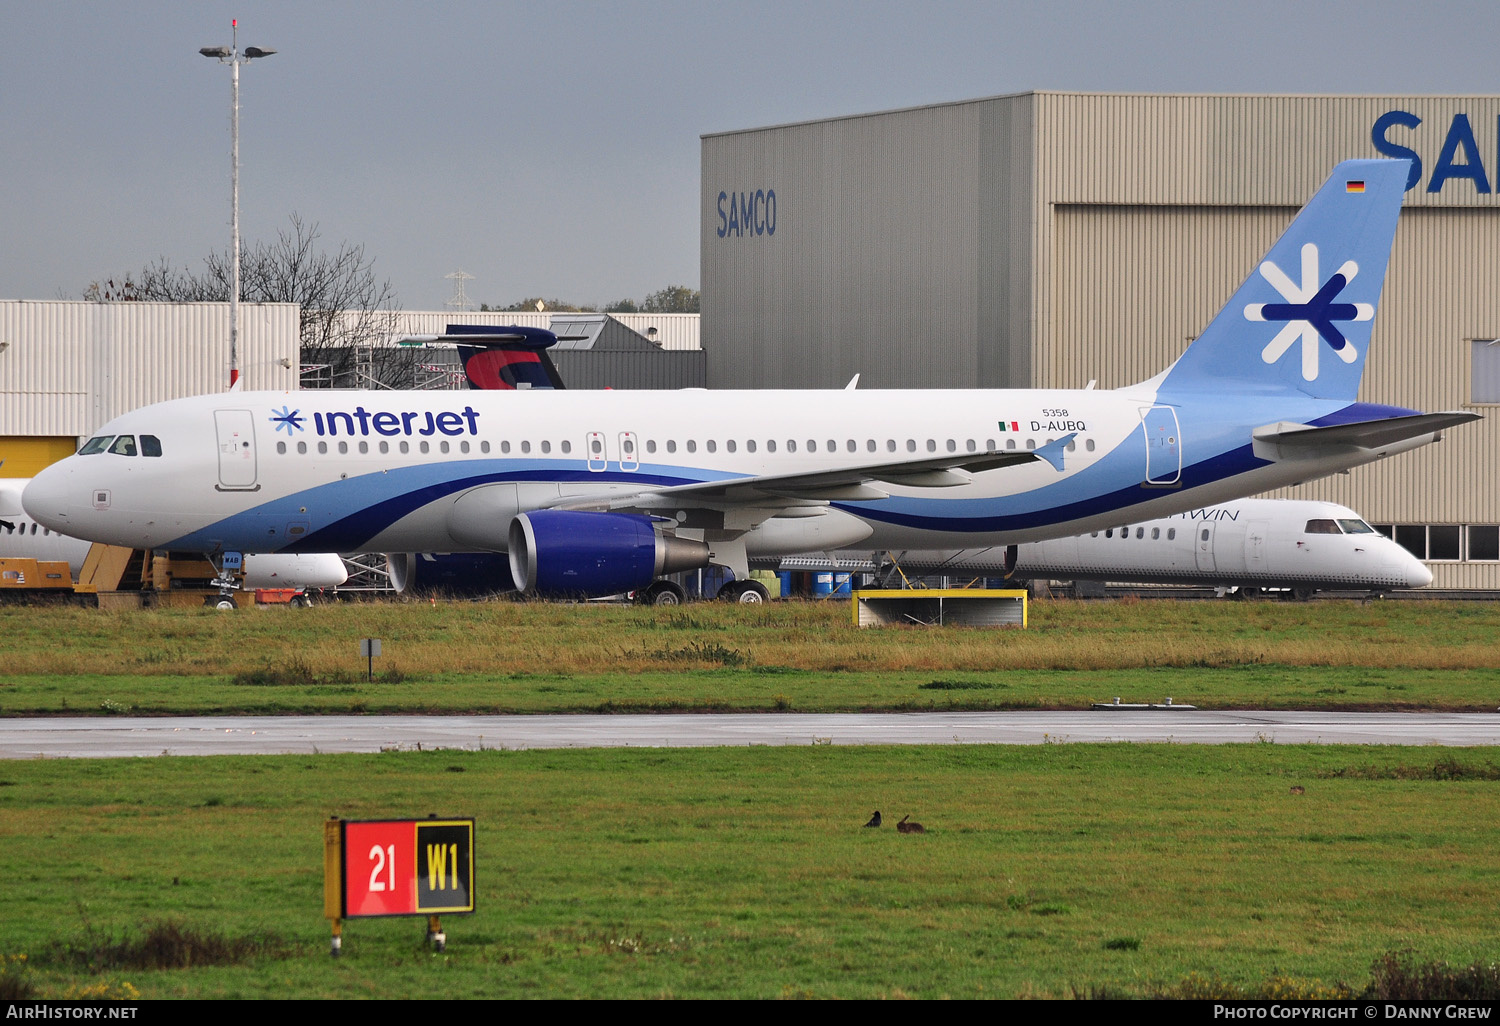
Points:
[[229, 569]]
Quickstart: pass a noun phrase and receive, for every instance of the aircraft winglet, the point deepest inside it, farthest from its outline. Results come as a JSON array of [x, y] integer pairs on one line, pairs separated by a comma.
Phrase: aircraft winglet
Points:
[[1053, 451]]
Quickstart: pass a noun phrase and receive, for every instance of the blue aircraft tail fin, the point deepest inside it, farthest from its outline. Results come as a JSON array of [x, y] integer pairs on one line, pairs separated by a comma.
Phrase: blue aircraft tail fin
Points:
[[1302, 320]]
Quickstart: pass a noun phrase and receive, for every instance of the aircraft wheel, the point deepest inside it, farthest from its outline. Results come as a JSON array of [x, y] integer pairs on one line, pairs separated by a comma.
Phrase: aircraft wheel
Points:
[[663, 593], [750, 593], [224, 604], [1248, 594], [1303, 594], [301, 601]]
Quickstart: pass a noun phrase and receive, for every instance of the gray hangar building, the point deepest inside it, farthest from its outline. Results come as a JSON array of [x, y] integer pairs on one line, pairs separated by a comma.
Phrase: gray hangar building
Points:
[[1047, 239]]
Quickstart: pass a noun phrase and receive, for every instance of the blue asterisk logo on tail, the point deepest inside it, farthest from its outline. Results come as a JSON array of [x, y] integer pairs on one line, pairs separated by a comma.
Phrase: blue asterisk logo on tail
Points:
[[1309, 311], [287, 420]]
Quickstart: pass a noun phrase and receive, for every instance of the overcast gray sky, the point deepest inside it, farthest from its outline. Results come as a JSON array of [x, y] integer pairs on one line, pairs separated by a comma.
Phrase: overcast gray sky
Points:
[[553, 147]]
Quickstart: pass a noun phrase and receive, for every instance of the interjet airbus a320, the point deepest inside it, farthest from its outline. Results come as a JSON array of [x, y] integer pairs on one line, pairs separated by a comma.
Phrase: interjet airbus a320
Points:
[[593, 493]]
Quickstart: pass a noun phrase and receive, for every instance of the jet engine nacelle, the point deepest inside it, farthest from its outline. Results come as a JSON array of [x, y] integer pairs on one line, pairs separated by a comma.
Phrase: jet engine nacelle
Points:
[[449, 573], [564, 552]]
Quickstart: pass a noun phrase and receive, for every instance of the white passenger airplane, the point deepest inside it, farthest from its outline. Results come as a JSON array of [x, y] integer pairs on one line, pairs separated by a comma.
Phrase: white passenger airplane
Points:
[[1251, 544], [21, 536], [593, 493]]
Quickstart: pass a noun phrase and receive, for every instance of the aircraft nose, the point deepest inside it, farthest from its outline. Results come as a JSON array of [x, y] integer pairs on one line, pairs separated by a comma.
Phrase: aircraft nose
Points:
[[1418, 575], [46, 497]]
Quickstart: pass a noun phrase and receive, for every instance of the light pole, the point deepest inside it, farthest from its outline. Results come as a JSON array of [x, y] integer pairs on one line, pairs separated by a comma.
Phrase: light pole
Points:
[[232, 56]]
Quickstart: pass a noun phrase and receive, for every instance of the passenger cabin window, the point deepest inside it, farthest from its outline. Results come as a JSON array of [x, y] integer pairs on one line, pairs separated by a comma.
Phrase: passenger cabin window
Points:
[[1322, 527], [124, 446]]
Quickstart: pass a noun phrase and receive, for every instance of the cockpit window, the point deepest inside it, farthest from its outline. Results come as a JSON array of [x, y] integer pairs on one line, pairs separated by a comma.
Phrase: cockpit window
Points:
[[1356, 527], [94, 445], [150, 445], [1322, 527], [124, 446]]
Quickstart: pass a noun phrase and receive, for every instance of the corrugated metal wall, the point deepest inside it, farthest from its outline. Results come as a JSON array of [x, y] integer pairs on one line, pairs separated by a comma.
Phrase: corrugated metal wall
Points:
[[674, 331], [71, 366], [874, 267], [585, 368], [1130, 285]]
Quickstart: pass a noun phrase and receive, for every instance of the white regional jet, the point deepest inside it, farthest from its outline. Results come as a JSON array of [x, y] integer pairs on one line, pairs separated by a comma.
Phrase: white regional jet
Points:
[[1249, 544], [24, 537], [593, 493]]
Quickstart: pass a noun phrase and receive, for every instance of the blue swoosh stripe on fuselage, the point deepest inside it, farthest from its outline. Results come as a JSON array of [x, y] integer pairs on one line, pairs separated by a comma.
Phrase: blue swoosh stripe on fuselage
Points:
[[1237, 461], [1053, 503], [355, 510]]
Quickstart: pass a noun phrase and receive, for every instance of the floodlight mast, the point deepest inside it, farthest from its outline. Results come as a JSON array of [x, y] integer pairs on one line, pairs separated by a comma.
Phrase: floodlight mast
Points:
[[232, 56]]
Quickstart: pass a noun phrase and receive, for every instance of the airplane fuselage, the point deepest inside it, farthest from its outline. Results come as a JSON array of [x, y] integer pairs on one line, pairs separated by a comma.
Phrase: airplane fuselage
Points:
[[353, 471], [1282, 543]]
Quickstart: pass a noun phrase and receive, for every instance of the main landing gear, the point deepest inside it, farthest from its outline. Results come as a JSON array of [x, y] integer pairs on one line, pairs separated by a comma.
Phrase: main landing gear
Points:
[[744, 592], [661, 593]]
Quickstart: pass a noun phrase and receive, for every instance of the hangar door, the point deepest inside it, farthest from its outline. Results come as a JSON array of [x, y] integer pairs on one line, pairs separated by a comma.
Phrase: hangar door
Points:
[[1131, 285], [27, 457]]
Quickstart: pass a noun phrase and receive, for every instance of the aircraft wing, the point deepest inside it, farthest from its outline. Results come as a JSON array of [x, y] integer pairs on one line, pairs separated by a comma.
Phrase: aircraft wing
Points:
[[1366, 434], [821, 486]]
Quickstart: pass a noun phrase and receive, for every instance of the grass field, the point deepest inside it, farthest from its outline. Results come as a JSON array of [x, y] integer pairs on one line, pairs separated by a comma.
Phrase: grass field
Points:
[[1129, 870], [515, 657], [1045, 871]]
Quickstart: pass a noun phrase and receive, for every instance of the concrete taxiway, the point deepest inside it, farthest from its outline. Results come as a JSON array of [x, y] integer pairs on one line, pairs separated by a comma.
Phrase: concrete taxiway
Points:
[[116, 737]]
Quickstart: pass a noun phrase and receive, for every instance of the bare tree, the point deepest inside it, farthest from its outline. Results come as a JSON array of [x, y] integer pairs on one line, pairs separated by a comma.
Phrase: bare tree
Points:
[[348, 315]]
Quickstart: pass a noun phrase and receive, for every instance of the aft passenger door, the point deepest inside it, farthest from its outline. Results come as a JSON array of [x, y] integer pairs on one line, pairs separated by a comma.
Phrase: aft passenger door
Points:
[[1163, 451], [1203, 545], [236, 438]]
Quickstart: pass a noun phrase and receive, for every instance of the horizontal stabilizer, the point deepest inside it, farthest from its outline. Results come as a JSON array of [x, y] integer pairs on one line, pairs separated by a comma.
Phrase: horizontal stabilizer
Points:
[[1366, 434]]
